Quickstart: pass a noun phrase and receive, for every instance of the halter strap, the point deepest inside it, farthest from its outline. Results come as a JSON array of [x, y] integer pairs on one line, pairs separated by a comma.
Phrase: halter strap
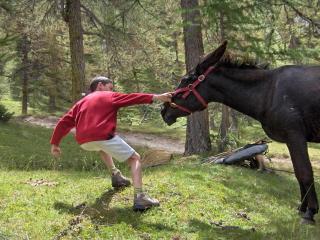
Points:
[[191, 88]]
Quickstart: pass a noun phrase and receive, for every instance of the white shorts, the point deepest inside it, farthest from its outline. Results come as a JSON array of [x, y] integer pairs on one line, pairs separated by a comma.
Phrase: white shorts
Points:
[[116, 147]]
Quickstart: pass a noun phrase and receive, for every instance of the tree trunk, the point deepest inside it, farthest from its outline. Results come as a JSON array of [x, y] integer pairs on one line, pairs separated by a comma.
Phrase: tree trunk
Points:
[[197, 135], [135, 77], [234, 122], [225, 121], [224, 126], [52, 92], [214, 109], [73, 18], [52, 104], [175, 45], [25, 49]]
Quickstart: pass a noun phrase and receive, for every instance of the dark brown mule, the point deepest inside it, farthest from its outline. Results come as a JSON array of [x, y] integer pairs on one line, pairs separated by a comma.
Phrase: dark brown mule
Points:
[[286, 101]]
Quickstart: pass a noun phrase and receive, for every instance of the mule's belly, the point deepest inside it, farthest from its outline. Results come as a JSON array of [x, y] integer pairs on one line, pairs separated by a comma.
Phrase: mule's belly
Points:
[[312, 125], [280, 120], [279, 132], [314, 136], [275, 134], [315, 140]]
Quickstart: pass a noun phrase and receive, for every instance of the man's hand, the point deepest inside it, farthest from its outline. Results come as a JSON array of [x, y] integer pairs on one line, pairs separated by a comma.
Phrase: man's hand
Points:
[[165, 97], [55, 150]]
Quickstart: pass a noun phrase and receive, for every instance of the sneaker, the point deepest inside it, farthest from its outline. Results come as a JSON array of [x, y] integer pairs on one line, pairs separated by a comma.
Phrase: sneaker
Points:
[[118, 180], [142, 202]]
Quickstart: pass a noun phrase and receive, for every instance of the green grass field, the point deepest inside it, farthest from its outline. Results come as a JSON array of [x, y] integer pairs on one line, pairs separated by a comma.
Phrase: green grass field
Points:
[[197, 201], [194, 201]]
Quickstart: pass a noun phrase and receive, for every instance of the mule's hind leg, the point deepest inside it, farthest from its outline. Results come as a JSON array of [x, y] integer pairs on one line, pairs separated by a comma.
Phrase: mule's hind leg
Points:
[[303, 170]]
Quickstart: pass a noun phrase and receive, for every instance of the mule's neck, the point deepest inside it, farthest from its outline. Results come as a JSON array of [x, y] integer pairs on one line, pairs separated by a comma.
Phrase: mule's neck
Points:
[[244, 90]]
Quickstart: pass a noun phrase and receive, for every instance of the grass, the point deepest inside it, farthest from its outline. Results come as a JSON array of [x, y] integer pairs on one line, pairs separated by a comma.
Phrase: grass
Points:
[[25, 147], [193, 201], [16, 106], [12, 106], [197, 201]]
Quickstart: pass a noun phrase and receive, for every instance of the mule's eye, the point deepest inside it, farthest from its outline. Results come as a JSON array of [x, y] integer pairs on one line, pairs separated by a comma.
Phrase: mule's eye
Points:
[[194, 76], [184, 79]]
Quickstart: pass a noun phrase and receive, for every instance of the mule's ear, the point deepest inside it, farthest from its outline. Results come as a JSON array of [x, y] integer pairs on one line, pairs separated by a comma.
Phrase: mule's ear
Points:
[[211, 58]]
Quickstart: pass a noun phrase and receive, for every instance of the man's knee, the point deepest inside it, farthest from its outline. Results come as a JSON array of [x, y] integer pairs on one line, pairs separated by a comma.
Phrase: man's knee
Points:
[[134, 158], [104, 154]]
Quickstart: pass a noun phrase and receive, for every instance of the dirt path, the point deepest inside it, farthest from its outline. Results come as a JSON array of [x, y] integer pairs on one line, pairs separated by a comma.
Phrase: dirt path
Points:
[[138, 139], [153, 141]]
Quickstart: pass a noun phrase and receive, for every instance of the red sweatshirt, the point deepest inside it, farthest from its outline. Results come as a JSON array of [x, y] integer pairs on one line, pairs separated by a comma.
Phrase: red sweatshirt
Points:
[[95, 116]]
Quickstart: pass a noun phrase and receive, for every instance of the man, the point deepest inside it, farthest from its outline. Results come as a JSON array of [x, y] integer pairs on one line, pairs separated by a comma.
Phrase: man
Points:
[[94, 118]]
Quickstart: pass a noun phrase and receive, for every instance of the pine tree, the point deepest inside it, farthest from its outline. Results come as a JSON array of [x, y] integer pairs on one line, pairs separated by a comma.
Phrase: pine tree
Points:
[[197, 135]]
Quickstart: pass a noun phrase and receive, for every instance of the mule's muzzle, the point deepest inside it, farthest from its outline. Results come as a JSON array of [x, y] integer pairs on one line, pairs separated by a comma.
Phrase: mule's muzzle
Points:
[[166, 117], [169, 121]]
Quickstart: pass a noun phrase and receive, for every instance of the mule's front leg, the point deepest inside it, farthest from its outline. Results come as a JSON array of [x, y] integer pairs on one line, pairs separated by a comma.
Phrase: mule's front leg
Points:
[[304, 204], [297, 146]]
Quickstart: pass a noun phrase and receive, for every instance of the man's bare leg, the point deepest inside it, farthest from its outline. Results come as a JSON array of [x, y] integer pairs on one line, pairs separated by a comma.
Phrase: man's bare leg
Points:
[[141, 200], [117, 179], [260, 159], [136, 172], [108, 161]]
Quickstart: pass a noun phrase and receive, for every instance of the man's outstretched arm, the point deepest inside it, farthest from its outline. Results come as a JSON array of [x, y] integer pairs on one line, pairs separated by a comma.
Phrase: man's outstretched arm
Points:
[[164, 97], [125, 100]]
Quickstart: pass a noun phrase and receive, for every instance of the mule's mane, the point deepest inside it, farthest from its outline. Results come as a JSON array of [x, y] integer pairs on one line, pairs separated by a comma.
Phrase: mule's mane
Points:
[[252, 71], [230, 61]]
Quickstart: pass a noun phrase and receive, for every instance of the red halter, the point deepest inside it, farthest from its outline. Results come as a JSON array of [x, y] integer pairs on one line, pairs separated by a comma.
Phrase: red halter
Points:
[[191, 88]]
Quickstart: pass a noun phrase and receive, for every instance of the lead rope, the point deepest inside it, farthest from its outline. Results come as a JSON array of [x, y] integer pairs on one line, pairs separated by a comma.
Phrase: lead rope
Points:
[[307, 193]]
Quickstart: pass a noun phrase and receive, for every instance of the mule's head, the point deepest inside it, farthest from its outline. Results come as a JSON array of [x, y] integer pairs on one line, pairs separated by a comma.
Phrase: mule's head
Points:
[[185, 102]]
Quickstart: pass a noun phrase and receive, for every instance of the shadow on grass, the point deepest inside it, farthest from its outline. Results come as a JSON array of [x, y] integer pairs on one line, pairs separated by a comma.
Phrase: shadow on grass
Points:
[[247, 189], [100, 213], [208, 231]]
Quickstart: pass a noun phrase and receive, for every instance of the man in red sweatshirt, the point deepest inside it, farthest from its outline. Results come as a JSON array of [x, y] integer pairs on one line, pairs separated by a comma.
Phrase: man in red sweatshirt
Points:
[[95, 117]]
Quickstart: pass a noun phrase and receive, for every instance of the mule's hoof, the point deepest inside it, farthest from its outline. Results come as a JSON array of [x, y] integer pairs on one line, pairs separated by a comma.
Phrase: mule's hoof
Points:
[[308, 217], [308, 221], [302, 209]]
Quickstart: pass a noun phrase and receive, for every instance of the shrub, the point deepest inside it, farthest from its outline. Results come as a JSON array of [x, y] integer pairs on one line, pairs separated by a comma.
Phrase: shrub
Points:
[[5, 116]]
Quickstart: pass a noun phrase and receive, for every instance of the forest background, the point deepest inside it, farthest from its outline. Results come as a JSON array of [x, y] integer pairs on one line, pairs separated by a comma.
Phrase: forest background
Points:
[[51, 49]]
